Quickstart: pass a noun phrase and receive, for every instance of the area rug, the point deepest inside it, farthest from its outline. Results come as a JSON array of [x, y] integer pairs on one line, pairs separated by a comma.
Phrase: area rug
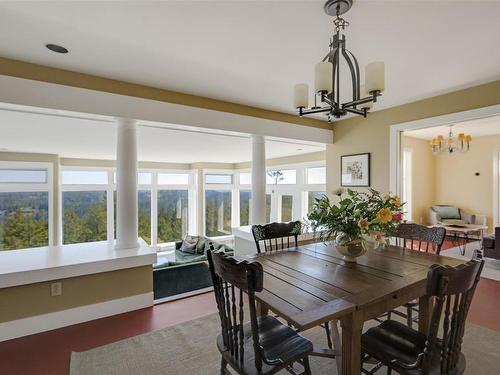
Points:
[[491, 268], [189, 348]]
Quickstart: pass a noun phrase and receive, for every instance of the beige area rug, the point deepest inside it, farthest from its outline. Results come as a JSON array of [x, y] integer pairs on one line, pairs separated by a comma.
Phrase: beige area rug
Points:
[[491, 268], [189, 348]]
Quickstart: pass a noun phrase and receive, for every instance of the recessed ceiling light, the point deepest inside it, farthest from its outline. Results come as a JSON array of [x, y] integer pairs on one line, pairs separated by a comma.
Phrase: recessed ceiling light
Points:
[[299, 149], [56, 48]]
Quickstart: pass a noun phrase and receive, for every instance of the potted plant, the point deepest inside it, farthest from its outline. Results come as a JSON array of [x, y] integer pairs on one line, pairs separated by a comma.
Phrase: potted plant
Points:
[[356, 217]]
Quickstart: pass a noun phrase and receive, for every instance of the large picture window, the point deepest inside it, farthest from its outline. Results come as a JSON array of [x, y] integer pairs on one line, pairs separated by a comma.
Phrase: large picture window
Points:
[[245, 207], [217, 213], [144, 215], [25, 205], [84, 216], [172, 215]]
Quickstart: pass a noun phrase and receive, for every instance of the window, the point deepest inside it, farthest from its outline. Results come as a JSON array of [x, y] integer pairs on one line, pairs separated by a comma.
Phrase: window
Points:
[[281, 177], [268, 208], [20, 176], [217, 213], [144, 215], [172, 215], [316, 175], [84, 177], [25, 205], [245, 178], [24, 220], [84, 216], [245, 207], [144, 178], [173, 178], [286, 207], [311, 196], [218, 178]]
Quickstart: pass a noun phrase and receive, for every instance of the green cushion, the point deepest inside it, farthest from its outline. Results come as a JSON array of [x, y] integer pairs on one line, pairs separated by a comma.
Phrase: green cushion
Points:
[[200, 246], [455, 222], [447, 212]]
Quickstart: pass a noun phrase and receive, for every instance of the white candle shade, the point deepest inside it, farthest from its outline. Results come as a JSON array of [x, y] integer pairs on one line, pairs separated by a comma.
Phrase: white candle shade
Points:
[[364, 94], [323, 77], [375, 76], [301, 95]]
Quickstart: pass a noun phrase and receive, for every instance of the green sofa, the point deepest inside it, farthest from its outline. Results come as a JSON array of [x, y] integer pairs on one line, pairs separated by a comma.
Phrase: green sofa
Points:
[[187, 272]]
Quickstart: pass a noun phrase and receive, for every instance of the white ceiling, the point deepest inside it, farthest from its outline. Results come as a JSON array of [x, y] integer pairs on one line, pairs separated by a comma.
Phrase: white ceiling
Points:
[[95, 138], [476, 128], [252, 52]]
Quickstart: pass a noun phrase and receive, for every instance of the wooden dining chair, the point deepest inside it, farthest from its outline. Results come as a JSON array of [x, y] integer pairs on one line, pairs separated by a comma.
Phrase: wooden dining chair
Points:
[[276, 236], [418, 238], [408, 351], [262, 346]]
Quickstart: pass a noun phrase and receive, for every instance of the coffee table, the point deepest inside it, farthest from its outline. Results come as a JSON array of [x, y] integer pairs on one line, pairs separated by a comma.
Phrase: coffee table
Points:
[[461, 233]]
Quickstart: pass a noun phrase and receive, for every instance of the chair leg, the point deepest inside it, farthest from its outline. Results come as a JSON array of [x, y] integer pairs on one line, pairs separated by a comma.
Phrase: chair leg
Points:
[[389, 371], [409, 317], [223, 365], [307, 368]]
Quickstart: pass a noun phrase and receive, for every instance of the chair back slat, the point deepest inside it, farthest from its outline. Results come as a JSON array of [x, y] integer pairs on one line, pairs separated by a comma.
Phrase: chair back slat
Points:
[[420, 238], [453, 289], [279, 232], [230, 279]]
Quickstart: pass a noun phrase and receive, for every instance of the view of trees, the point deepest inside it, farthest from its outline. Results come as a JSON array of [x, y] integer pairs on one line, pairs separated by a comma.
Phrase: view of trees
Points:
[[84, 216], [23, 220], [286, 207], [245, 197], [172, 215], [217, 213]]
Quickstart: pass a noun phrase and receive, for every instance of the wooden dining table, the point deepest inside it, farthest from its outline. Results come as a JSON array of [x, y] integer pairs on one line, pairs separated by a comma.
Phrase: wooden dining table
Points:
[[311, 285]]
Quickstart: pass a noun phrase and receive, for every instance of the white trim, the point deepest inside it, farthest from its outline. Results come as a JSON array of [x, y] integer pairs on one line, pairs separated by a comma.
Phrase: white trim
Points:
[[46, 322], [496, 187], [183, 295], [397, 129]]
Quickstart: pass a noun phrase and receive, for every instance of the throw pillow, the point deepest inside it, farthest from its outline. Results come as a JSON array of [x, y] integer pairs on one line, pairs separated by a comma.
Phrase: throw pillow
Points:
[[189, 244], [447, 212], [200, 245]]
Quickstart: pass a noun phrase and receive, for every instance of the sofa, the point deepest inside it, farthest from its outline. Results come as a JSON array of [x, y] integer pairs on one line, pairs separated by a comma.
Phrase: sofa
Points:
[[451, 215], [187, 272]]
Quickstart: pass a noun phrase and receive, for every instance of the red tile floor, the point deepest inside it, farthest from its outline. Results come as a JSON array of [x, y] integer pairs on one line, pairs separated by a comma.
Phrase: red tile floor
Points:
[[48, 353]]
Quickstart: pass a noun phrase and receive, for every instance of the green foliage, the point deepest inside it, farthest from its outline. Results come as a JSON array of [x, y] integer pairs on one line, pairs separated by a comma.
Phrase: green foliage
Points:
[[23, 230], [217, 213], [356, 214]]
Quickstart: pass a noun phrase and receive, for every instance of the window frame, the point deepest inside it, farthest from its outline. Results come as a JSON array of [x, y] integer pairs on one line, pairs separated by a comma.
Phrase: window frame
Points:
[[235, 199]]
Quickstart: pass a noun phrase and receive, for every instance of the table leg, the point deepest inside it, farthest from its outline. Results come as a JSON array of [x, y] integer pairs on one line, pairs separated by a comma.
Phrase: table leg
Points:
[[352, 327], [337, 346], [262, 309], [425, 306]]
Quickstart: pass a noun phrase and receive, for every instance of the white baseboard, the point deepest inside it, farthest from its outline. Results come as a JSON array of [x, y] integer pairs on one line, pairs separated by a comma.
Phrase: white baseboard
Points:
[[63, 318]]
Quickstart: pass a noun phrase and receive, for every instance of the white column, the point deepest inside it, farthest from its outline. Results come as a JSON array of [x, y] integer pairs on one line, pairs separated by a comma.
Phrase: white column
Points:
[[258, 180], [126, 185]]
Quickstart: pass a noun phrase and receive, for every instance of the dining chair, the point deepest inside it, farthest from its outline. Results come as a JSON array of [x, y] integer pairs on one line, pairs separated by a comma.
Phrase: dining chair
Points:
[[263, 345], [418, 238], [408, 351], [276, 237]]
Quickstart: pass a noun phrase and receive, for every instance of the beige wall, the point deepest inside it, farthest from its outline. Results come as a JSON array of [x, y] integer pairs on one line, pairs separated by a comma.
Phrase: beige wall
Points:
[[34, 299], [423, 178], [357, 135], [457, 184]]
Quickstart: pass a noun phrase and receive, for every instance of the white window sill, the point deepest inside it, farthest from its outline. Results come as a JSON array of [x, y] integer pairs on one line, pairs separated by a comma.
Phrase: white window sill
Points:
[[28, 266]]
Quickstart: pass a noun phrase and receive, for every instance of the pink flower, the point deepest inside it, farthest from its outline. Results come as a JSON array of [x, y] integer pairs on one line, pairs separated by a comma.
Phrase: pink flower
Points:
[[398, 216]]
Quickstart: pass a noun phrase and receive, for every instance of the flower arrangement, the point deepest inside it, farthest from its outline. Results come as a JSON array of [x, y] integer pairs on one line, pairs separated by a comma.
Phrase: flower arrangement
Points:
[[355, 216]]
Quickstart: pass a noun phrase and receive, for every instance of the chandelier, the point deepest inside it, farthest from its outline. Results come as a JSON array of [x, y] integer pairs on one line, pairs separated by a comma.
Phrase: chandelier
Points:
[[450, 145], [327, 76]]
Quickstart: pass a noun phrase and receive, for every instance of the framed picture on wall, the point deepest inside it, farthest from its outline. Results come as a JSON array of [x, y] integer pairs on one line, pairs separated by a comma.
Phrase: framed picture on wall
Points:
[[355, 170]]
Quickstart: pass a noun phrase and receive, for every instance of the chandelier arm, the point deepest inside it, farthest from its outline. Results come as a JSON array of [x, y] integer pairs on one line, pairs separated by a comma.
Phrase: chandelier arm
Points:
[[356, 68], [311, 111], [368, 99], [337, 63], [361, 112], [327, 100], [354, 77], [333, 60]]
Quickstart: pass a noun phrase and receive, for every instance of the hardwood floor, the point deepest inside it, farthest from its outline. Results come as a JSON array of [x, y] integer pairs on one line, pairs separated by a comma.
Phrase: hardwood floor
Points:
[[48, 353]]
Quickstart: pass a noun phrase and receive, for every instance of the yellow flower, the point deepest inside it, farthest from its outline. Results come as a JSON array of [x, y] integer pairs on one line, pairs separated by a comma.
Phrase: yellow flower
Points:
[[384, 215], [363, 223], [397, 201], [387, 197]]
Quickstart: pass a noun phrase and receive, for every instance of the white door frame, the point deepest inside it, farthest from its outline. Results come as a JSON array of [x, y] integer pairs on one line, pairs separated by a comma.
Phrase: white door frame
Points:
[[395, 159]]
